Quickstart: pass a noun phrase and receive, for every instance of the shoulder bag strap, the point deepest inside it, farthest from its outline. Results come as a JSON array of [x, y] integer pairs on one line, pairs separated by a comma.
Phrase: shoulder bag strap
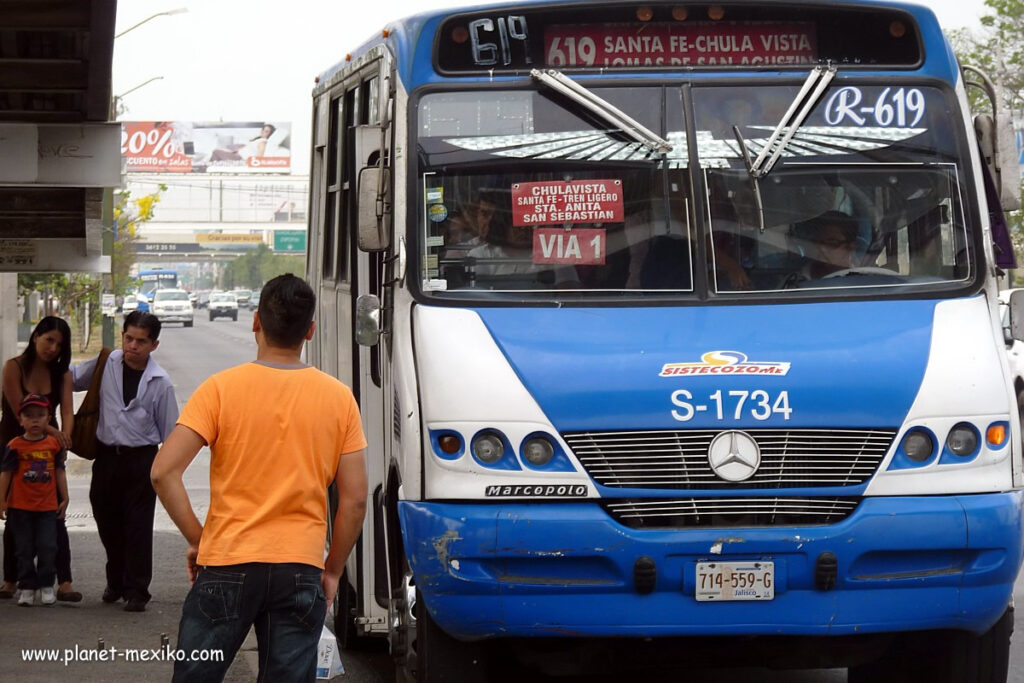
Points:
[[92, 397]]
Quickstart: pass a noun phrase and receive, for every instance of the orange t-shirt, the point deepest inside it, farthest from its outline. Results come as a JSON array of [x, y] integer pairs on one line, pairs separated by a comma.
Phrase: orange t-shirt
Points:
[[275, 437], [33, 466]]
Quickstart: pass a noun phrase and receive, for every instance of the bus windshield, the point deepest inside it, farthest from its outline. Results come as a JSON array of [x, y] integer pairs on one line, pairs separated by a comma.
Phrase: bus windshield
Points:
[[155, 279], [523, 192], [867, 192]]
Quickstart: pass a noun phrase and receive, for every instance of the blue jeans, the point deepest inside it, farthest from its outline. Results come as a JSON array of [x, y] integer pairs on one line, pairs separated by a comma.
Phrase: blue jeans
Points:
[[35, 543], [286, 604]]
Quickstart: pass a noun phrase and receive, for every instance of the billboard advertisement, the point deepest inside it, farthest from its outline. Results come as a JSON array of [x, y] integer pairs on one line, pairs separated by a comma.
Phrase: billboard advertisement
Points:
[[212, 147]]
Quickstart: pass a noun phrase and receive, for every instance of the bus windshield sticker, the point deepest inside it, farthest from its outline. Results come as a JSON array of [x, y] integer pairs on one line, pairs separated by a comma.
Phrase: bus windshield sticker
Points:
[[725, 363], [574, 201], [437, 213], [894, 107], [435, 195], [701, 44], [577, 247]]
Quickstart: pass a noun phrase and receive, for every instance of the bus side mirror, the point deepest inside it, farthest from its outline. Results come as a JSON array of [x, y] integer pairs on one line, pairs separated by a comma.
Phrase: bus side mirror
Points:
[[1009, 162], [997, 140], [367, 320], [374, 208], [1017, 315], [998, 145]]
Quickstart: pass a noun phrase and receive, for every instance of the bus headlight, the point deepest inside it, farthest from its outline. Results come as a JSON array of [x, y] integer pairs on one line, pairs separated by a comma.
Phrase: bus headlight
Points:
[[488, 448], [918, 445], [538, 451], [962, 440]]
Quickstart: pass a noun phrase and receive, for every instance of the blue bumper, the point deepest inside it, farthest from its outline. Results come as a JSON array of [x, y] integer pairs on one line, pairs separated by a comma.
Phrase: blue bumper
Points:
[[904, 564]]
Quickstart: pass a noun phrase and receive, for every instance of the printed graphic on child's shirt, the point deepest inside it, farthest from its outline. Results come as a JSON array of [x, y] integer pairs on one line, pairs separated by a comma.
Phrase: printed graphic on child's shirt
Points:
[[39, 466]]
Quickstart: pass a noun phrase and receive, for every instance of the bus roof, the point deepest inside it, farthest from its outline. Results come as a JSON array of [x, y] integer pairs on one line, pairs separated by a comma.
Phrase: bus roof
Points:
[[411, 40]]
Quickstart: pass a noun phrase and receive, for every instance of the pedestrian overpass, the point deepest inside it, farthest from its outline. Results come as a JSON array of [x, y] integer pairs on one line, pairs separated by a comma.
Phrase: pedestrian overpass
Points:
[[59, 151]]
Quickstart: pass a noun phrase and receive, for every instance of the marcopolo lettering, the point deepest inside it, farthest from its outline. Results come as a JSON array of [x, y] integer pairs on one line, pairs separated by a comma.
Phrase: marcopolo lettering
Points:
[[537, 490]]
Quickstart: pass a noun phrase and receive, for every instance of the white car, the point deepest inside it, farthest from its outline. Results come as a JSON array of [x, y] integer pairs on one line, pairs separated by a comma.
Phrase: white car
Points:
[[223, 305], [1014, 351], [136, 301], [172, 306]]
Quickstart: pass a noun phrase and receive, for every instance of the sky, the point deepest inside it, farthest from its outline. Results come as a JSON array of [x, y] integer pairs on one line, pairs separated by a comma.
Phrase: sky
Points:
[[249, 60]]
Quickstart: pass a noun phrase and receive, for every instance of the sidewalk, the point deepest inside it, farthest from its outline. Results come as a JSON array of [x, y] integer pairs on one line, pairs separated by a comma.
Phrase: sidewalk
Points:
[[74, 631]]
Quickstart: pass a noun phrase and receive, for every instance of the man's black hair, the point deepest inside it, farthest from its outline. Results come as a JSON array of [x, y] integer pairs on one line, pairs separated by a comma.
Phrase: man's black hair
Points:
[[147, 321], [286, 310], [810, 229]]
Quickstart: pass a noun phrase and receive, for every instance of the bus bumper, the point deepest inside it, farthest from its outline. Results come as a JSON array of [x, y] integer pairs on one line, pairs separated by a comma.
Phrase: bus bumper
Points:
[[567, 569]]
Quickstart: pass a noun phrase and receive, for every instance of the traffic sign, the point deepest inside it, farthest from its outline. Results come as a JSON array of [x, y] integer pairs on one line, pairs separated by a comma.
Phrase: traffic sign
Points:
[[108, 304], [290, 240]]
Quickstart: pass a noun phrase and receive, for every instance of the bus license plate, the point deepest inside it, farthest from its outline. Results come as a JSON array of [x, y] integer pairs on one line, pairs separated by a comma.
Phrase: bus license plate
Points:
[[725, 581]]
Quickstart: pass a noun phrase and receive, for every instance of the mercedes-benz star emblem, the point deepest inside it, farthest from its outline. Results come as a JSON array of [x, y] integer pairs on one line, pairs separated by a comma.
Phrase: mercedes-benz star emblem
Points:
[[734, 456]]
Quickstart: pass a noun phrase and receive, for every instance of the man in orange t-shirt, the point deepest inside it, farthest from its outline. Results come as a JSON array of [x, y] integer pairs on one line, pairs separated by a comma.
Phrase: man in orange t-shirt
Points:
[[279, 433]]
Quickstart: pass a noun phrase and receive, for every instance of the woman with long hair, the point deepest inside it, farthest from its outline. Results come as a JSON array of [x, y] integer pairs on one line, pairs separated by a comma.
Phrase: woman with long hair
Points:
[[42, 368]]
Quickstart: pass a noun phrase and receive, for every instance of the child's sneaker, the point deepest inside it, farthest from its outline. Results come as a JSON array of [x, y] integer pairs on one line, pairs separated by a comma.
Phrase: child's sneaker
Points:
[[47, 596], [26, 597]]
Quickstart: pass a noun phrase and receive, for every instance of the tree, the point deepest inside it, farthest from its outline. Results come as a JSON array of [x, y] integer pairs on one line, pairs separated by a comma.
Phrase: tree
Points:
[[78, 294], [261, 264], [129, 215], [998, 50], [47, 284]]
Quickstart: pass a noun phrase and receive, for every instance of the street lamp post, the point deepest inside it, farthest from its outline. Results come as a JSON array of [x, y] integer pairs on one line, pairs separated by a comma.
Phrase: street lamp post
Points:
[[117, 106], [108, 195], [180, 10]]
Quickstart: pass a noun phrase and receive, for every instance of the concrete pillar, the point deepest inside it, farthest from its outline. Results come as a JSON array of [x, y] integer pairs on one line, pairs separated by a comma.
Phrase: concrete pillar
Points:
[[8, 315]]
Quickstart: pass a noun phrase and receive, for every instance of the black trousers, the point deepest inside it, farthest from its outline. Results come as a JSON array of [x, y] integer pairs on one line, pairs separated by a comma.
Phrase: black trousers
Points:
[[123, 501], [63, 554]]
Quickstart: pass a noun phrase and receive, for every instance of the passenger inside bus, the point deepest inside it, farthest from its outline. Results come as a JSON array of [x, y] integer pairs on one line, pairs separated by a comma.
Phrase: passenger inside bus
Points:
[[512, 245], [833, 236], [469, 226], [829, 245]]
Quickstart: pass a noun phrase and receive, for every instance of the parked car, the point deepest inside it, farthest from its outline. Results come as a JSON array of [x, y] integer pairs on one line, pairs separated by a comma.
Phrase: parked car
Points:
[[172, 306], [135, 301], [223, 305]]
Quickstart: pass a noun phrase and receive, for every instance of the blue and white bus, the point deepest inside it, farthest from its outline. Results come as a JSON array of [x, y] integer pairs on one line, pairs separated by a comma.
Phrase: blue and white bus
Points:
[[671, 321], [157, 278]]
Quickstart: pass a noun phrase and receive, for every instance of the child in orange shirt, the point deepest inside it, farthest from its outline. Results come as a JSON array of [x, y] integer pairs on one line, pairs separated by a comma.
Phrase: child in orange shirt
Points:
[[31, 471]]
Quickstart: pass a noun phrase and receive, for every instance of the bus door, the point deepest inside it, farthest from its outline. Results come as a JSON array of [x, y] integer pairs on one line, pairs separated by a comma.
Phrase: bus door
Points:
[[365, 137]]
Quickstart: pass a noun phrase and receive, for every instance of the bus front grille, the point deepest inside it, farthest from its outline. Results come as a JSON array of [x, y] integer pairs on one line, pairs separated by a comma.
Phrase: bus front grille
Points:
[[790, 458], [676, 513]]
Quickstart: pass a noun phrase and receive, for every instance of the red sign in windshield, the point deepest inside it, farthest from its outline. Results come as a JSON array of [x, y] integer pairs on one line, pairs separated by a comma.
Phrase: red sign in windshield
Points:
[[700, 44], [574, 201]]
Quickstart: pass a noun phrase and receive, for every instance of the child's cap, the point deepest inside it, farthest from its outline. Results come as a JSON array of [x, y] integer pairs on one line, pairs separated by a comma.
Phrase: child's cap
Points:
[[33, 400]]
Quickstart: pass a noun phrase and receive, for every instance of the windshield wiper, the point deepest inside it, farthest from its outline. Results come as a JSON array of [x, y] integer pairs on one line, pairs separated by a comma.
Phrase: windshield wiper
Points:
[[745, 151], [818, 80], [601, 108]]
